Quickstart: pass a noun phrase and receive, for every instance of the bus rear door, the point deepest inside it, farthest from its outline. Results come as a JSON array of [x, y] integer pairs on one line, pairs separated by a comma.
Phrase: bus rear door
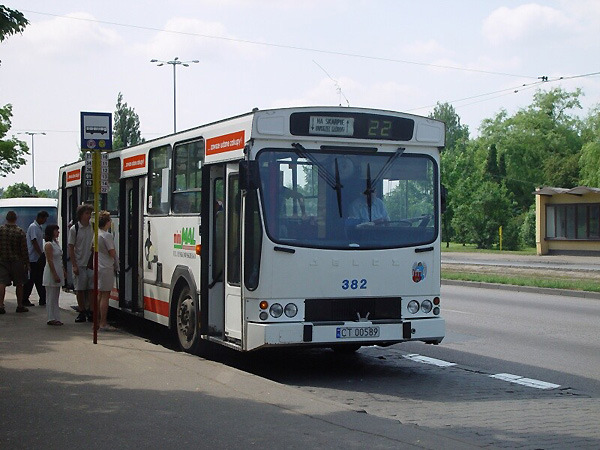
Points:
[[130, 256]]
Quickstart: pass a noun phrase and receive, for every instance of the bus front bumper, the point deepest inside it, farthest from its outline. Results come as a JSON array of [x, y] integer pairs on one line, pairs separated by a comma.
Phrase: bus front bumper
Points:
[[364, 333]]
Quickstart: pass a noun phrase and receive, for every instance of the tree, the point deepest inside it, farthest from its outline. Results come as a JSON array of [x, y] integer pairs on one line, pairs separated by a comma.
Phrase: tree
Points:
[[11, 22], [457, 138], [456, 134], [11, 150], [479, 220], [19, 190], [589, 161], [491, 163], [126, 129], [48, 193], [541, 143]]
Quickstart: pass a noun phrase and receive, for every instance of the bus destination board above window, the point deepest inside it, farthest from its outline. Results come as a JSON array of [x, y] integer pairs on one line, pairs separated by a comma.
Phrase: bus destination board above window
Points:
[[352, 125]]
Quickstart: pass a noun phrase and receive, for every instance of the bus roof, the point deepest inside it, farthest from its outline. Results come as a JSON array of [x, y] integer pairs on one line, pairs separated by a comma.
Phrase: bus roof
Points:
[[29, 201]]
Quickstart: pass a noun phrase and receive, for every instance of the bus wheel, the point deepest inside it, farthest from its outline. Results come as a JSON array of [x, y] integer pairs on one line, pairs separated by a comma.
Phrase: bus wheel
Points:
[[187, 329], [345, 349]]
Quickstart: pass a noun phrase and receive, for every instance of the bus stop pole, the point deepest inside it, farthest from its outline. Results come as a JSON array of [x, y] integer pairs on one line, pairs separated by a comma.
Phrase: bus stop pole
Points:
[[96, 182]]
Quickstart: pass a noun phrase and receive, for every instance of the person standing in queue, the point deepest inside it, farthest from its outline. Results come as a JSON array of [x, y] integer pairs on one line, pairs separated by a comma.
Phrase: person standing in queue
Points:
[[54, 273], [37, 260], [108, 264], [81, 236], [14, 260]]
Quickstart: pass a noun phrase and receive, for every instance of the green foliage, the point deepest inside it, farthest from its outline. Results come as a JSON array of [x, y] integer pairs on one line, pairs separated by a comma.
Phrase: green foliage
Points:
[[126, 129], [11, 22], [527, 232], [540, 144], [457, 138], [11, 150], [48, 193], [589, 161], [19, 190], [478, 219], [491, 179], [511, 233]]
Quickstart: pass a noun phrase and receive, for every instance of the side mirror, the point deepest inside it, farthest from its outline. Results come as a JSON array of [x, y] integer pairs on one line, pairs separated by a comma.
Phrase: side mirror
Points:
[[444, 196], [249, 175]]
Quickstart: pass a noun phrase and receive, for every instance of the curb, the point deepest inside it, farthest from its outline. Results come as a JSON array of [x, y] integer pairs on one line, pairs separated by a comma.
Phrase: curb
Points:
[[530, 289]]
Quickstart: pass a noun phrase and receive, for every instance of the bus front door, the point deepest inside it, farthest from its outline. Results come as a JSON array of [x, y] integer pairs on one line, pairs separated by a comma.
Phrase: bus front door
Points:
[[233, 291], [130, 256]]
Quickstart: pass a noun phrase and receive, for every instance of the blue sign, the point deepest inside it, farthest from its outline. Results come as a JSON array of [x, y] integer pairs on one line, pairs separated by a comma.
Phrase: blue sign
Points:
[[96, 131]]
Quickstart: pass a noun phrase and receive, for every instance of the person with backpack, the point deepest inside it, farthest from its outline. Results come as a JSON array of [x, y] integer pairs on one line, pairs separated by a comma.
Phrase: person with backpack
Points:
[[79, 244]]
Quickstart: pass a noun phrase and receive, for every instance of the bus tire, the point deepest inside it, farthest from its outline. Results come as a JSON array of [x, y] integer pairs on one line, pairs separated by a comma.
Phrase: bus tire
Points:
[[186, 327], [346, 349]]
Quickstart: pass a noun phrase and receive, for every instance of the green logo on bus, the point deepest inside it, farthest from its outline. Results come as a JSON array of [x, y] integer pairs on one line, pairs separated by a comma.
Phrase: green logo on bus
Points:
[[185, 239]]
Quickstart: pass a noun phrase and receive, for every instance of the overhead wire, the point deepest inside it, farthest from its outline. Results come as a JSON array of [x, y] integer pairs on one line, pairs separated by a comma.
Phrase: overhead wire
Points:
[[509, 91]]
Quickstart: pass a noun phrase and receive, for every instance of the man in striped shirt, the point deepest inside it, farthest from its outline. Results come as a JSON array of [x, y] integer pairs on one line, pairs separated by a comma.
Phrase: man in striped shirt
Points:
[[14, 260]]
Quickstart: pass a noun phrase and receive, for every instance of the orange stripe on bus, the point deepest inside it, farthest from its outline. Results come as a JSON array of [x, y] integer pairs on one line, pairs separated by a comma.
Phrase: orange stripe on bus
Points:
[[226, 143], [74, 175], [134, 162], [156, 306]]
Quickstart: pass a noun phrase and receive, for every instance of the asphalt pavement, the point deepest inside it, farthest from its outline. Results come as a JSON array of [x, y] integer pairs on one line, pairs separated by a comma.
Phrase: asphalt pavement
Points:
[[59, 390]]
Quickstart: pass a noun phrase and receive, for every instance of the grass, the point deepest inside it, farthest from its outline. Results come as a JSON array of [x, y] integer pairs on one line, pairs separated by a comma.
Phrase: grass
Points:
[[554, 283], [472, 248]]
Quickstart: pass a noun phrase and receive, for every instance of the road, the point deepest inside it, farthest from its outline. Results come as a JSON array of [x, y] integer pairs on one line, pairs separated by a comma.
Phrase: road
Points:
[[548, 343]]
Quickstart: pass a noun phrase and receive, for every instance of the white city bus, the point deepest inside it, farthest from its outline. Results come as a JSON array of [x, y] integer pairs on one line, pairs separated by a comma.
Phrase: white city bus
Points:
[[311, 226]]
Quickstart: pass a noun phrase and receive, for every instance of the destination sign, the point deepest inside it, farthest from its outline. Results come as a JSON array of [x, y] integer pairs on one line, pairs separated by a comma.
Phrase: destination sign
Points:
[[356, 125], [331, 126]]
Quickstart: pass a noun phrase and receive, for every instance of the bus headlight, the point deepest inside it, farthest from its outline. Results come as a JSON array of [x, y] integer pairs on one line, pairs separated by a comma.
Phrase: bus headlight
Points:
[[276, 310], [426, 306], [413, 307], [290, 310]]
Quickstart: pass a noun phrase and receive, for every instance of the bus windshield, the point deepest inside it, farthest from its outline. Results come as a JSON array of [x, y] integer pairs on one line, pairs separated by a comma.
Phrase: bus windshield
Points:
[[344, 200]]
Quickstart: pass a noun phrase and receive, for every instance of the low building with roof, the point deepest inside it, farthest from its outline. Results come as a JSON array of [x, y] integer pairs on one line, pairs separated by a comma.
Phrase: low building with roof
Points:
[[567, 220]]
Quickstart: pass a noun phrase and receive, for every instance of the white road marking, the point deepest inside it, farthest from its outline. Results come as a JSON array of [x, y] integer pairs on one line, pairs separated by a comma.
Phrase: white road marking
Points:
[[530, 382], [460, 312], [427, 360]]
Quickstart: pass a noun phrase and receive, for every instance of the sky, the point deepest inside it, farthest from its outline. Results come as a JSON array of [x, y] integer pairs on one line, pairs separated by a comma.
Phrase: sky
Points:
[[480, 56]]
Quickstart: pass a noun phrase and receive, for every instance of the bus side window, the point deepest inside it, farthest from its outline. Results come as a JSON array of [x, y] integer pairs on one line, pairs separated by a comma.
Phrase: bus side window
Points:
[[114, 176], [158, 161], [187, 178]]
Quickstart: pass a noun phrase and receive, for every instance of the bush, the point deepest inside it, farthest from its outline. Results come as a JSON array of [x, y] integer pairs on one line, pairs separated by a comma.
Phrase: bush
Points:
[[511, 232], [527, 232]]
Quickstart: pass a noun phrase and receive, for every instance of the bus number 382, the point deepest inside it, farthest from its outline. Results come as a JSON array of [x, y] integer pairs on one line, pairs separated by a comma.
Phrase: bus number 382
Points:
[[354, 284]]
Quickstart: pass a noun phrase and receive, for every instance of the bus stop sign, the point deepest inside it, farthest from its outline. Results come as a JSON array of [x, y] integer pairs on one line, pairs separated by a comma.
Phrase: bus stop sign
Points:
[[96, 131]]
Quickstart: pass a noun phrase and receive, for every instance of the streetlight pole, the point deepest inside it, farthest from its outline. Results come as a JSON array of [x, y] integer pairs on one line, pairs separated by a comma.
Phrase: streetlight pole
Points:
[[174, 62], [32, 134]]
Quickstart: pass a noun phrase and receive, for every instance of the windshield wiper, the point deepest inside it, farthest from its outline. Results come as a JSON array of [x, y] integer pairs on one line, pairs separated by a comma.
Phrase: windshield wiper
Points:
[[370, 190], [333, 181], [389, 164], [338, 188]]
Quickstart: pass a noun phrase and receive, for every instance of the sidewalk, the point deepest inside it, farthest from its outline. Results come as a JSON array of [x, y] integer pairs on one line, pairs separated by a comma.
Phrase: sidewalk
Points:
[[58, 390]]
